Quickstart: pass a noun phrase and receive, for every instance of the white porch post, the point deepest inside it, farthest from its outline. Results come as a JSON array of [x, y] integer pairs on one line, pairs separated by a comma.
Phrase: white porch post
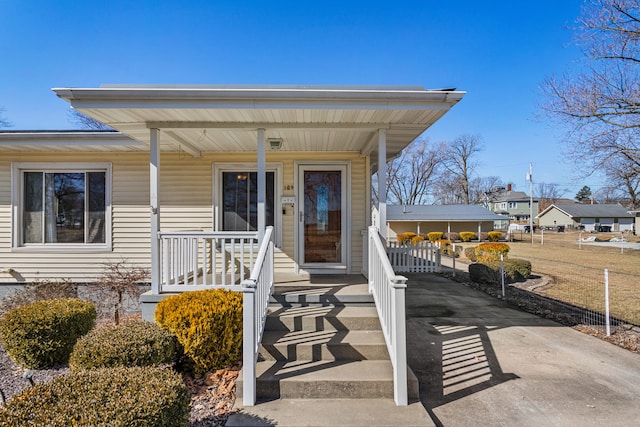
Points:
[[154, 192], [479, 230], [382, 182], [262, 185]]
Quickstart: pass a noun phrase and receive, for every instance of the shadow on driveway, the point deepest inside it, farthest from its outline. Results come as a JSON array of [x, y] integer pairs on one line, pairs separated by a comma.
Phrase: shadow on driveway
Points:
[[480, 361]]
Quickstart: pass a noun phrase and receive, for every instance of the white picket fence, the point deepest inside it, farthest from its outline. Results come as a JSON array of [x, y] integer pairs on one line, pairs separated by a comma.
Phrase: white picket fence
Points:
[[421, 257]]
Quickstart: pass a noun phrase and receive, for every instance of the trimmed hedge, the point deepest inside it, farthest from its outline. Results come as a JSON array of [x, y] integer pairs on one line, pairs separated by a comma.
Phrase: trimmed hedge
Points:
[[515, 270], [467, 236], [208, 325], [127, 344], [453, 236], [470, 253], [405, 237], [42, 334], [494, 236], [434, 236], [490, 252], [138, 396]]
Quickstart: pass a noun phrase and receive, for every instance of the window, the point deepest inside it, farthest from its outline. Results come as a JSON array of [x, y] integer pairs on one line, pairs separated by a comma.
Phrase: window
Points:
[[513, 205], [59, 207], [240, 200]]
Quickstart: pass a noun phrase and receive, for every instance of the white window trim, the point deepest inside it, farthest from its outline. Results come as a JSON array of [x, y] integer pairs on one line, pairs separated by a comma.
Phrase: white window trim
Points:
[[220, 167], [17, 196]]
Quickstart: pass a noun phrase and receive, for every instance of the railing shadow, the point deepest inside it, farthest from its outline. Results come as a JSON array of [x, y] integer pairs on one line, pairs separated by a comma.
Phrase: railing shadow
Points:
[[327, 335]]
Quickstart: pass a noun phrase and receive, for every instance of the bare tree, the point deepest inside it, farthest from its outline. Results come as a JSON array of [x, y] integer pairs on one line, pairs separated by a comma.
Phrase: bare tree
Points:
[[481, 186], [86, 122], [548, 194], [459, 164], [4, 122], [410, 176], [623, 183], [599, 103]]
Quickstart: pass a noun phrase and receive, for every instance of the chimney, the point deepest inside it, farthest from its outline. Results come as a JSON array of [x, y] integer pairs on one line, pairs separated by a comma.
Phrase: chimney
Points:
[[509, 187]]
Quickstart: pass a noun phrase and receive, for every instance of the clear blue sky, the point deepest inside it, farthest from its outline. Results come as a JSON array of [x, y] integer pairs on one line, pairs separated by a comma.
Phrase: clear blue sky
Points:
[[497, 51]]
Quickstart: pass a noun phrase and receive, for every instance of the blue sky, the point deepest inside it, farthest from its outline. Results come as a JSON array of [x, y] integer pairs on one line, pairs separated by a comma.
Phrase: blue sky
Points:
[[497, 51]]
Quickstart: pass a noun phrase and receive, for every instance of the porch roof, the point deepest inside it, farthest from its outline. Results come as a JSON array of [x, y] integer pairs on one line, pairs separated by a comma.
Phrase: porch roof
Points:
[[199, 119]]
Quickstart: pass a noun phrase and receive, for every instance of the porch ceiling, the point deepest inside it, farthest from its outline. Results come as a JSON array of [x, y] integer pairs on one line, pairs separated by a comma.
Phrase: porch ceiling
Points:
[[201, 119]]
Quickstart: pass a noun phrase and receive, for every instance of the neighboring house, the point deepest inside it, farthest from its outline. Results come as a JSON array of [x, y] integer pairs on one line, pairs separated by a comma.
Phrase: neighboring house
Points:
[[513, 204], [587, 217], [422, 219]]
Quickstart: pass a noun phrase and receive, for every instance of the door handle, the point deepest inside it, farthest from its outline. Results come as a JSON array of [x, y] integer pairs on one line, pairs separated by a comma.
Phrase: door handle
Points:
[[301, 216]]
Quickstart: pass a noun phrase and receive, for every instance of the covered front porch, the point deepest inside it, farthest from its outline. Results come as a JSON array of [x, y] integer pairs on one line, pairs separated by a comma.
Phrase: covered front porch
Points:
[[266, 180]]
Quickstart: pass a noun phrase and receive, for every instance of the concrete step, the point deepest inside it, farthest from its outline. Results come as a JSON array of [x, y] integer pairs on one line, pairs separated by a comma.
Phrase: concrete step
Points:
[[337, 294], [324, 345], [323, 318], [331, 413], [366, 379]]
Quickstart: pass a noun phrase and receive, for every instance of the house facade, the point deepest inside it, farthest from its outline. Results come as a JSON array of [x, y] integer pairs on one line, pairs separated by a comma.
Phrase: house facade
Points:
[[217, 187], [588, 217], [423, 219], [516, 205], [204, 159]]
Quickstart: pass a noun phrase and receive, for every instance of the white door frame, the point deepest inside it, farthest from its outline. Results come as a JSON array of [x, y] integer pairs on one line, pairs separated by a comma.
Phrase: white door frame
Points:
[[343, 267]]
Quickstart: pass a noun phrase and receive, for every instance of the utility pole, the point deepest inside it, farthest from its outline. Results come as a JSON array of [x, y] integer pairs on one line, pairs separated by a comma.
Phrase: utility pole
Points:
[[530, 179]]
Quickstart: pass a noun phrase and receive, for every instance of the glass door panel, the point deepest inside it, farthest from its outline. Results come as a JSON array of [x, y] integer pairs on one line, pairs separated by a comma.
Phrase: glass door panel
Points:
[[322, 216]]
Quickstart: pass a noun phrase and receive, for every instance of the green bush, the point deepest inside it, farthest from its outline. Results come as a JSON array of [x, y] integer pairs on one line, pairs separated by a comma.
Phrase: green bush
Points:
[[208, 325], [138, 396], [494, 236], [470, 253], [127, 344], [482, 273], [42, 334], [467, 236], [434, 236], [516, 269], [39, 290]]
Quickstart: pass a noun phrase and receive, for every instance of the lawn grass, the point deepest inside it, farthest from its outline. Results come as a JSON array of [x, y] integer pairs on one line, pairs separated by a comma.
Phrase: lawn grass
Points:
[[576, 275]]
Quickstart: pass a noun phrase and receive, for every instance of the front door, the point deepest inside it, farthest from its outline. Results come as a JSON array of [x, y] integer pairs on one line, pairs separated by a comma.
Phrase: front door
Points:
[[322, 217]]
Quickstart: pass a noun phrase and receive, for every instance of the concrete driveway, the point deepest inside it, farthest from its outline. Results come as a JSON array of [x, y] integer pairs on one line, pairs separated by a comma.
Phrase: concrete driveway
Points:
[[481, 362]]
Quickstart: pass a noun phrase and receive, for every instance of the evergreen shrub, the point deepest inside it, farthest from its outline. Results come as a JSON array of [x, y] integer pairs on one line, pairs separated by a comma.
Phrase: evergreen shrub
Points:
[[208, 325], [128, 344], [494, 236], [467, 236], [490, 252], [470, 253], [434, 236], [403, 238], [42, 334], [136, 396], [417, 239]]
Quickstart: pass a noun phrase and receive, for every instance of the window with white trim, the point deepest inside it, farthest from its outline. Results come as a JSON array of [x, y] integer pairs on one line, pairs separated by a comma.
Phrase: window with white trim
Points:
[[240, 200], [64, 205]]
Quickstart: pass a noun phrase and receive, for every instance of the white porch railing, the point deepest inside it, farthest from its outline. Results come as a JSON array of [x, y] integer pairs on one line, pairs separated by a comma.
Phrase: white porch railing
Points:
[[388, 294], [257, 290], [193, 260], [421, 257]]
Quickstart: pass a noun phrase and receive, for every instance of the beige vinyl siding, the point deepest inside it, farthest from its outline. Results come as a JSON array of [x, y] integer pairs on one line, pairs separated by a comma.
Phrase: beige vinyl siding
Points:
[[186, 198]]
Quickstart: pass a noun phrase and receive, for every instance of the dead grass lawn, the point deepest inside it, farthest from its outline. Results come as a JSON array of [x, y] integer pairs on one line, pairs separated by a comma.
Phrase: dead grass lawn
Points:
[[577, 275]]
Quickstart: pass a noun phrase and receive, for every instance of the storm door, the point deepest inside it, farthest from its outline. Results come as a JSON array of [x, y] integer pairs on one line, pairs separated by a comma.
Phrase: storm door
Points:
[[322, 216]]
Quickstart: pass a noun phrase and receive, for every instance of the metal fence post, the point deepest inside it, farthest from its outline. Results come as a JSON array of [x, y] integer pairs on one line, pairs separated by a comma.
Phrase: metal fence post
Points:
[[502, 273], [606, 302]]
